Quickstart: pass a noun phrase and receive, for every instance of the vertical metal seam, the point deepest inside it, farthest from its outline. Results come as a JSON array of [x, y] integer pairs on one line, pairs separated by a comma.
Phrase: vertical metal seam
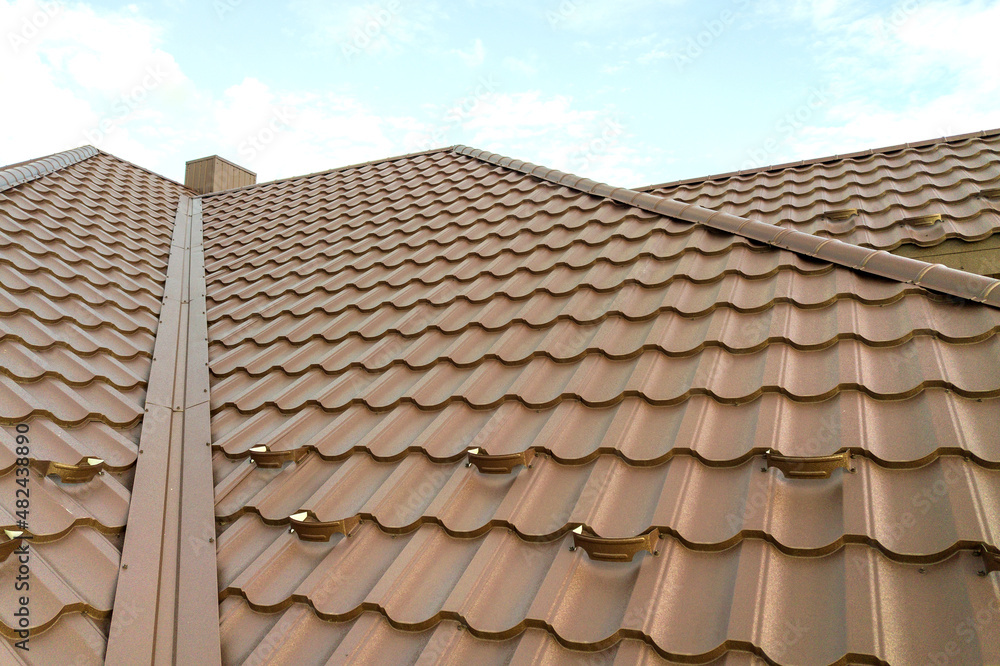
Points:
[[169, 568]]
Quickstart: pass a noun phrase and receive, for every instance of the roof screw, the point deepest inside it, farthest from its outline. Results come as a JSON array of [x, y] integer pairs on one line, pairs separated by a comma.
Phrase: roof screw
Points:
[[101, 473], [982, 572], [572, 548], [124, 566], [208, 443], [468, 464], [922, 570], [211, 539], [763, 469], [656, 552]]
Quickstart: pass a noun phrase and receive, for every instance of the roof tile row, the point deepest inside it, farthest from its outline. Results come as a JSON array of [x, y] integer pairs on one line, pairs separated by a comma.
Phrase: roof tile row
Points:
[[871, 199], [84, 243], [376, 323]]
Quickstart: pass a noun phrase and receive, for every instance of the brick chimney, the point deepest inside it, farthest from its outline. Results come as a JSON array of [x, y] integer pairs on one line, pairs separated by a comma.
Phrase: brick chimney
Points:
[[214, 174]]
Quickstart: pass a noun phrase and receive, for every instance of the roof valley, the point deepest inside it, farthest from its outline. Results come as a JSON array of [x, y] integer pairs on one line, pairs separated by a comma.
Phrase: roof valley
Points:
[[168, 558]]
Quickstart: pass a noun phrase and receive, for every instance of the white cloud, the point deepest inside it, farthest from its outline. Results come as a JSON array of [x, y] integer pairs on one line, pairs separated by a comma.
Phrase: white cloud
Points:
[[546, 129], [915, 70], [521, 66], [88, 77], [474, 57], [105, 78], [594, 15], [382, 28]]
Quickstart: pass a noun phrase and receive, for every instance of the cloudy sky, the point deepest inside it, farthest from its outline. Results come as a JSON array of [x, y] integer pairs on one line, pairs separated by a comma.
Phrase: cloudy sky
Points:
[[629, 92]]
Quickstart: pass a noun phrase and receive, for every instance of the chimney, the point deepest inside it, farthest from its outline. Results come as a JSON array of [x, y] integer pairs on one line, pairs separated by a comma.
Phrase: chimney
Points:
[[214, 174]]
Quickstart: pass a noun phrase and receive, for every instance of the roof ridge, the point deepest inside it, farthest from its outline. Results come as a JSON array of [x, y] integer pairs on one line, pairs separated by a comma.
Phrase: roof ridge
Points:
[[22, 172], [821, 160], [357, 165], [935, 277]]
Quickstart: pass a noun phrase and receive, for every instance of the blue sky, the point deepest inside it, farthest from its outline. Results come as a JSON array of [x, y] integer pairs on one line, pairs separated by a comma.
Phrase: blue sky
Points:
[[629, 92]]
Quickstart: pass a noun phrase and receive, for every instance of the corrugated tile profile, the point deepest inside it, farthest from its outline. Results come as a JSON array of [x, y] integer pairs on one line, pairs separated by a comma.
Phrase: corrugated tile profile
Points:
[[921, 193], [878, 262], [25, 171], [669, 375], [84, 242]]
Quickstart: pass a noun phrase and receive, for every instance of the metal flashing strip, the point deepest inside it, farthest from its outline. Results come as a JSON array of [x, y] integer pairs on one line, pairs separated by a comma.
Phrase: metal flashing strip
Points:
[[935, 277], [168, 571], [22, 173]]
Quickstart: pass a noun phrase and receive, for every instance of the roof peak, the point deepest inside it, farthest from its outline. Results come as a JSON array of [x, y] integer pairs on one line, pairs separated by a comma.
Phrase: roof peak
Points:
[[955, 138], [935, 277], [23, 172]]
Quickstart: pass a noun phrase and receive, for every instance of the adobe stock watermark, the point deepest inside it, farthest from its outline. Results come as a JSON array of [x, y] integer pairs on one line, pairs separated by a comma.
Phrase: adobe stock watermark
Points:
[[460, 112], [224, 7], [33, 25], [788, 125], [966, 633], [127, 103], [712, 29], [562, 13], [370, 30], [900, 14], [599, 145], [257, 141]]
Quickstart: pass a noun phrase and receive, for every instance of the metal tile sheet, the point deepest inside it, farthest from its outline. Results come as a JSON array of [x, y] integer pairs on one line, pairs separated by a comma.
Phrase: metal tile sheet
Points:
[[377, 322], [682, 603], [297, 636], [83, 254], [874, 199], [903, 513]]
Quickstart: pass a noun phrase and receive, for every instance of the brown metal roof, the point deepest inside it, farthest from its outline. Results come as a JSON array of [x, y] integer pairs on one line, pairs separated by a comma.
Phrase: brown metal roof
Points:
[[880, 198], [369, 326], [463, 407], [84, 245]]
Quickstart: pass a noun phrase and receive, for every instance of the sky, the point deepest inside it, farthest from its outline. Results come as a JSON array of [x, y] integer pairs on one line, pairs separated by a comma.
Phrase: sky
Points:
[[629, 92]]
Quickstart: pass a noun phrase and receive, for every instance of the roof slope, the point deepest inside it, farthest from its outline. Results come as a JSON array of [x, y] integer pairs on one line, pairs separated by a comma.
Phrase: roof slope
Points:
[[368, 326], [84, 242], [881, 198]]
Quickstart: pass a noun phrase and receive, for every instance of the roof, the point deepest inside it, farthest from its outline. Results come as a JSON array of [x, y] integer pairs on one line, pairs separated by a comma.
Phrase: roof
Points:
[[921, 193], [85, 241], [464, 407]]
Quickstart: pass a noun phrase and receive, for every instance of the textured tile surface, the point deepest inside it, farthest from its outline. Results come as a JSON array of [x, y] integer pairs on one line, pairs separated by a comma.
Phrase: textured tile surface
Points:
[[377, 322], [879, 200], [83, 256]]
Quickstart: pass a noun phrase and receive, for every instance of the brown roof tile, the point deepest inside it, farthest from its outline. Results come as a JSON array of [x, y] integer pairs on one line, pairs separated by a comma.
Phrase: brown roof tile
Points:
[[379, 321], [873, 198], [789, 444], [84, 241]]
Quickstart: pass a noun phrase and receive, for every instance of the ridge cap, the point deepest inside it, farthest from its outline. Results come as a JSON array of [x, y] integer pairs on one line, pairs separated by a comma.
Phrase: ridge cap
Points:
[[881, 263], [23, 172]]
